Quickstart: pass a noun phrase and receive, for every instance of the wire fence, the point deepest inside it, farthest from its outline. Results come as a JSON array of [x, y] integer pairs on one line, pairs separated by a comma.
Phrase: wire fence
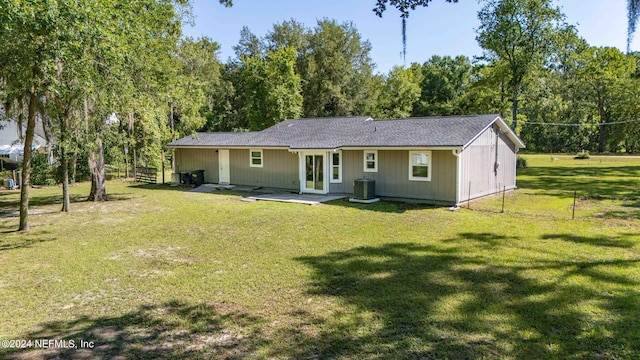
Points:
[[560, 204]]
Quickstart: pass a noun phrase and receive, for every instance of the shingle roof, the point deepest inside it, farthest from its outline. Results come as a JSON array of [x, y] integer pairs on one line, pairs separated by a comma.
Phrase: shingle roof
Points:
[[333, 133]]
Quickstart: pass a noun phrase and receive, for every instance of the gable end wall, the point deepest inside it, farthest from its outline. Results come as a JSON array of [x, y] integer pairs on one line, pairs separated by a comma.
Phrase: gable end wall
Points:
[[478, 165]]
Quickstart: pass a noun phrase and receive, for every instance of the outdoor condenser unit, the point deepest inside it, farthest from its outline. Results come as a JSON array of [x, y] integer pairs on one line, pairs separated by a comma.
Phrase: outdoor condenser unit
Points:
[[364, 189]]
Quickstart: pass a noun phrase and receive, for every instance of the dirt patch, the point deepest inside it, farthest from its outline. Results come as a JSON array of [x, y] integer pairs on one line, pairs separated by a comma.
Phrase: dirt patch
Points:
[[159, 261]]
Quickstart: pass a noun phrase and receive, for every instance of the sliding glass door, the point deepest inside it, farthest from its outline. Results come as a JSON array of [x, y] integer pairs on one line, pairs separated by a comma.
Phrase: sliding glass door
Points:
[[314, 172]]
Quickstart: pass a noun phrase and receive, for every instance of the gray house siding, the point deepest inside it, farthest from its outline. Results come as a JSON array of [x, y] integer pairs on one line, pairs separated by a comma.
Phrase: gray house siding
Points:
[[280, 169], [198, 159], [485, 146], [392, 178], [478, 165]]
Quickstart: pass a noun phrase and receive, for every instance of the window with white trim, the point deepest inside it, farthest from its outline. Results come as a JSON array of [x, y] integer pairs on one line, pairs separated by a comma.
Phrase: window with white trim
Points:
[[420, 165], [336, 167], [255, 158], [371, 161]]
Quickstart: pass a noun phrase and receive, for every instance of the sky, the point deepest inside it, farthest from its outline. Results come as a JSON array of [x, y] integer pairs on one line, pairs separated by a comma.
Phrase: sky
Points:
[[440, 29]]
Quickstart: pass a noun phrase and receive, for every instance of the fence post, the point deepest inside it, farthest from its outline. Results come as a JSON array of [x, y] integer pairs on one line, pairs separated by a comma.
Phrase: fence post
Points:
[[573, 214], [504, 190]]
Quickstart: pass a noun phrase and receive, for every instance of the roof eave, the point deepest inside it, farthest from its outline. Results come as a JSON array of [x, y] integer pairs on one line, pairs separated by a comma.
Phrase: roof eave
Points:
[[199, 146], [379, 147]]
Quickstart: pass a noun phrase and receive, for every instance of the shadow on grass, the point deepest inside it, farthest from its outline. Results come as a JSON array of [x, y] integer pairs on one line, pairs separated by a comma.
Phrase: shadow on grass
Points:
[[11, 208], [593, 182], [134, 185], [167, 331], [614, 242], [627, 211], [397, 207], [437, 302], [24, 242], [485, 239]]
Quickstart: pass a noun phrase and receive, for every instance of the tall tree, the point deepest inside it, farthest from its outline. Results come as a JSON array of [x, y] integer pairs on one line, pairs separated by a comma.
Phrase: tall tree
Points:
[[291, 34], [273, 88], [401, 89], [519, 33], [338, 70], [404, 6], [605, 74], [554, 96], [445, 82], [29, 34], [249, 44]]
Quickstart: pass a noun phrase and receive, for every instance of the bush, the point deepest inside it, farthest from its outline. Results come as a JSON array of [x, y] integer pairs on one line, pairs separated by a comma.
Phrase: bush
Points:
[[521, 163], [582, 155], [6, 174], [41, 172]]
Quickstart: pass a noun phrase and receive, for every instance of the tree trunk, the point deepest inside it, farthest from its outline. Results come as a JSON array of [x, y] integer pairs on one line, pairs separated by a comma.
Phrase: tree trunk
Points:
[[127, 142], [514, 110], [134, 145], [74, 166], [602, 137], [173, 126], [98, 178], [26, 162], [135, 164], [64, 163], [126, 162]]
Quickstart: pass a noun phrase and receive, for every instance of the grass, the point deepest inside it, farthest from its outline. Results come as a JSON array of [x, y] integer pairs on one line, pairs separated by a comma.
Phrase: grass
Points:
[[605, 187], [161, 273]]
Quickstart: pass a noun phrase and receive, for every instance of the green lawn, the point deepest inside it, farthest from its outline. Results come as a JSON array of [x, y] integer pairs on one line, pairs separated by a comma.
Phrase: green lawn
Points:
[[161, 273]]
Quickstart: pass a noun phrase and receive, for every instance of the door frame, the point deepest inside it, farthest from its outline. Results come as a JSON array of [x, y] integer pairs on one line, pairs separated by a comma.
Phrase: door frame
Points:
[[224, 172], [303, 172]]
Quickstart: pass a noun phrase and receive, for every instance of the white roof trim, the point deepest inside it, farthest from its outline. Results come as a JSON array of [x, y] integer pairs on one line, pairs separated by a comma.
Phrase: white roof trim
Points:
[[228, 147]]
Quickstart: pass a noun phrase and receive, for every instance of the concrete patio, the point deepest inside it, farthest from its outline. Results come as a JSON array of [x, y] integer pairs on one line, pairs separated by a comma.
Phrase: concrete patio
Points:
[[307, 199], [269, 194]]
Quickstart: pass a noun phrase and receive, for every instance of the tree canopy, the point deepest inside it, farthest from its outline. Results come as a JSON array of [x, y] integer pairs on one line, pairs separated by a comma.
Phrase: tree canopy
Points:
[[521, 34], [78, 65]]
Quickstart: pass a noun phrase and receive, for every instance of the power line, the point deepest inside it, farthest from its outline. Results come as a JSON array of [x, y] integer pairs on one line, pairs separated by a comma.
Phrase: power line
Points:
[[565, 124]]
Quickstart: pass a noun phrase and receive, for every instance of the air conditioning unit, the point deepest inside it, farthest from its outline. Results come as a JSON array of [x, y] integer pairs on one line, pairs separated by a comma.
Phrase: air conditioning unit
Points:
[[364, 189]]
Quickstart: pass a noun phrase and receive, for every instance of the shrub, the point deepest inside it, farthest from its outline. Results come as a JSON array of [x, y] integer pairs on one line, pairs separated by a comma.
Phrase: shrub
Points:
[[521, 163], [41, 172], [6, 174], [582, 155]]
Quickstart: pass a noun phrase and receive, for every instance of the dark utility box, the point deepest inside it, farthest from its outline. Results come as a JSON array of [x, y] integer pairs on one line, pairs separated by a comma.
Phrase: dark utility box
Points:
[[364, 189]]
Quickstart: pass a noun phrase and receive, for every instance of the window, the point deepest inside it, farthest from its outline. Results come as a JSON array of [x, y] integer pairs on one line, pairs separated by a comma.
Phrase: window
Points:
[[371, 161], [420, 165], [336, 167], [255, 158]]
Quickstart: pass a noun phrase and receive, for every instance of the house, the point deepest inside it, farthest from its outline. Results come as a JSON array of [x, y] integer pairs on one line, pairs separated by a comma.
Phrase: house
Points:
[[12, 145], [442, 160]]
